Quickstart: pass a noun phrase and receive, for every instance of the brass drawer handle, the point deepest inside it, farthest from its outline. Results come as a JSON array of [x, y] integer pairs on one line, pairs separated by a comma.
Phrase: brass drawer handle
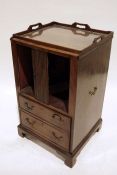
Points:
[[30, 108], [56, 116], [31, 123], [57, 137], [93, 91]]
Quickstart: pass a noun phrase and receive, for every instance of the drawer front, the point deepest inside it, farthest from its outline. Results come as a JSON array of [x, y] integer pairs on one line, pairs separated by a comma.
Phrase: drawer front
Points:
[[56, 136], [45, 113]]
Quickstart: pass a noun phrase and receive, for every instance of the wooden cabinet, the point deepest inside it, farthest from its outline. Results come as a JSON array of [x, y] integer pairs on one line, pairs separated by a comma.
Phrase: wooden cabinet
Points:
[[60, 73]]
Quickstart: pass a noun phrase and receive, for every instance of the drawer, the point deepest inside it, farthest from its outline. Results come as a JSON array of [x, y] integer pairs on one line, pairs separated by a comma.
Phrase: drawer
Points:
[[45, 113], [56, 136]]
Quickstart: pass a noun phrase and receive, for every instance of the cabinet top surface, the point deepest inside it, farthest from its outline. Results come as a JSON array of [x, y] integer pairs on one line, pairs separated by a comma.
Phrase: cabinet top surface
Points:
[[64, 36]]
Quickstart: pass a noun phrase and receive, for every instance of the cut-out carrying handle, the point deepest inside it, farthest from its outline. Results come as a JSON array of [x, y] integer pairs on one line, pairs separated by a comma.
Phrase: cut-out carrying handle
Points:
[[35, 26], [98, 39], [81, 26]]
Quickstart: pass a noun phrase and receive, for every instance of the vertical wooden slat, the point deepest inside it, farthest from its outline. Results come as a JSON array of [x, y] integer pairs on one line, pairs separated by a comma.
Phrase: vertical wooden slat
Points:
[[40, 69], [73, 86]]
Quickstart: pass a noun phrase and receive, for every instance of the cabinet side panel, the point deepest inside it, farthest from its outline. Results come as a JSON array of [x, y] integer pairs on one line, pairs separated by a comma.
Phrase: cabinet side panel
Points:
[[15, 65], [92, 74]]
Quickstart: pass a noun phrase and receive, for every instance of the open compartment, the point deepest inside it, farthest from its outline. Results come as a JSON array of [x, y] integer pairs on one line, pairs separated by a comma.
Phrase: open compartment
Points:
[[44, 76]]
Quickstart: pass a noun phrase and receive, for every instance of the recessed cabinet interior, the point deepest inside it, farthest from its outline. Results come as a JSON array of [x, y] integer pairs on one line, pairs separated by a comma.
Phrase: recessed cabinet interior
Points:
[[60, 74], [44, 76]]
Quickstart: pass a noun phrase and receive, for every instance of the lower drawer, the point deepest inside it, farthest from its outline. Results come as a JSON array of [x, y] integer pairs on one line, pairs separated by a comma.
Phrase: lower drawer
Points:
[[55, 135]]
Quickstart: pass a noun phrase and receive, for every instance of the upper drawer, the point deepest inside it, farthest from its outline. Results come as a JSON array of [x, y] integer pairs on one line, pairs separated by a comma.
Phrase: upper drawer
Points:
[[45, 113]]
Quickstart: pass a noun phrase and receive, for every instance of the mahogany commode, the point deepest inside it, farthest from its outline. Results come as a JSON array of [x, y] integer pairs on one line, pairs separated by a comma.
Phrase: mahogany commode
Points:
[[60, 73]]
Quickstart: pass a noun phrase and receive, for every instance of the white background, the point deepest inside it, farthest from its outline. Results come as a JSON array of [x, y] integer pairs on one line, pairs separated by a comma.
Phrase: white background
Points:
[[21, 156]]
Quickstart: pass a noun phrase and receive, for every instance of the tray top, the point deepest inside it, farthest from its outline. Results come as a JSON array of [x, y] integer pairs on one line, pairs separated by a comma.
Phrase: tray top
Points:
[[64, 36]]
